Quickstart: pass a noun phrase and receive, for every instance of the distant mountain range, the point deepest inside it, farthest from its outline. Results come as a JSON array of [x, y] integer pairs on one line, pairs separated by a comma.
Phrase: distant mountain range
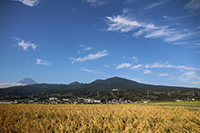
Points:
[[27, 81], [100, 89]]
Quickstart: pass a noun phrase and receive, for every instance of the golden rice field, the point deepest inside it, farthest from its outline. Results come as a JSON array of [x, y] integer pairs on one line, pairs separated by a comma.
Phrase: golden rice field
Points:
[[98, 118]]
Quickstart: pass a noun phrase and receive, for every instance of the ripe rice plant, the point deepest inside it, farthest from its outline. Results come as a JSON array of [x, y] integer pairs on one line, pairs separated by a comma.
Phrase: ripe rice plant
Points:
[[98, 118]]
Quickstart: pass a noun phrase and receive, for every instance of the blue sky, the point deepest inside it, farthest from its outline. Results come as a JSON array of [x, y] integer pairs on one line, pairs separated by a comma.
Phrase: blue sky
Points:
[[155, 41]]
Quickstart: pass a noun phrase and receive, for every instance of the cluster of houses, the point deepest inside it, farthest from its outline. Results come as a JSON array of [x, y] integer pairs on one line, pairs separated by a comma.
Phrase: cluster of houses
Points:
[[118, 101], [188, 99], [54, 100]]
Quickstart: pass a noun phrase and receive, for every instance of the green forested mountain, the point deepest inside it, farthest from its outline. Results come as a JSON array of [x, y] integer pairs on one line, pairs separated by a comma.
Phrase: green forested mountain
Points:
[[115, 87]]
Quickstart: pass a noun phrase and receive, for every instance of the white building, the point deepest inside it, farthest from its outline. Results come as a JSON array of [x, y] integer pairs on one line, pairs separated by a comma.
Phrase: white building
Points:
[[53, 99]]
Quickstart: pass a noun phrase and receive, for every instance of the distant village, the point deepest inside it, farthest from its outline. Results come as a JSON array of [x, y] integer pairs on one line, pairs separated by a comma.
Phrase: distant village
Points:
[[54, 100], [80, 100]]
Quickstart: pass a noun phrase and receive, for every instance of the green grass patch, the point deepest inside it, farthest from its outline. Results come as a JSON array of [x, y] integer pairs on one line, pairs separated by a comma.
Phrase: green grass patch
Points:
[[183, 104]]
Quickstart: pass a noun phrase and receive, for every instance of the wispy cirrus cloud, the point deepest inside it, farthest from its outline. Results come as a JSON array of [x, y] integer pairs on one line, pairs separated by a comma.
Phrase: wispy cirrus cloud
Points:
[[167, 65], [90, 56], [84, 49], [127, 1], [123, 65], [134, 58], [153, 5], [25, 45], [176, 37], [94, 72], [193, 5], [190, 77], [95, 3], [123, 23], [160, 32], [88, 70], [30, 3], [43, 62]]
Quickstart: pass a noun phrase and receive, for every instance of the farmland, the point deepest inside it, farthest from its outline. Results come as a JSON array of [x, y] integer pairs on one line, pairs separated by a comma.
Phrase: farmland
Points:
[[181, 104], [98, 118]]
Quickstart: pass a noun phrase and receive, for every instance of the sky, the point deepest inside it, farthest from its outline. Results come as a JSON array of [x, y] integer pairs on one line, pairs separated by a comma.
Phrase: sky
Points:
[[148, 41]]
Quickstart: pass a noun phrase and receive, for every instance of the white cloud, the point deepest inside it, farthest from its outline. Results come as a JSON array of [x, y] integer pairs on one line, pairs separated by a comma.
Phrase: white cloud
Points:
[[6, 85], [190, 77], [43, 62], [123, 65], [106, 66], [136, 66], [167, 17], [87, 48], [139, 33], [163, 74], [193, 5], [26, 45], [156, 4], [127, 1], [176, 37], [147, 71], [123, 23], [167, 65], [16, 38], [150, 27], [95, 3], [94, 72], [89, 70], [90, 56], [162, 32], [30, 3], [134, 58], [196, 82], [145, 29]]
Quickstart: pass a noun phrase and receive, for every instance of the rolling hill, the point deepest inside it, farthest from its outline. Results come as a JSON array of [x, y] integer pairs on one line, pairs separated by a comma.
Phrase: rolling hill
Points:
[[102, 89]]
